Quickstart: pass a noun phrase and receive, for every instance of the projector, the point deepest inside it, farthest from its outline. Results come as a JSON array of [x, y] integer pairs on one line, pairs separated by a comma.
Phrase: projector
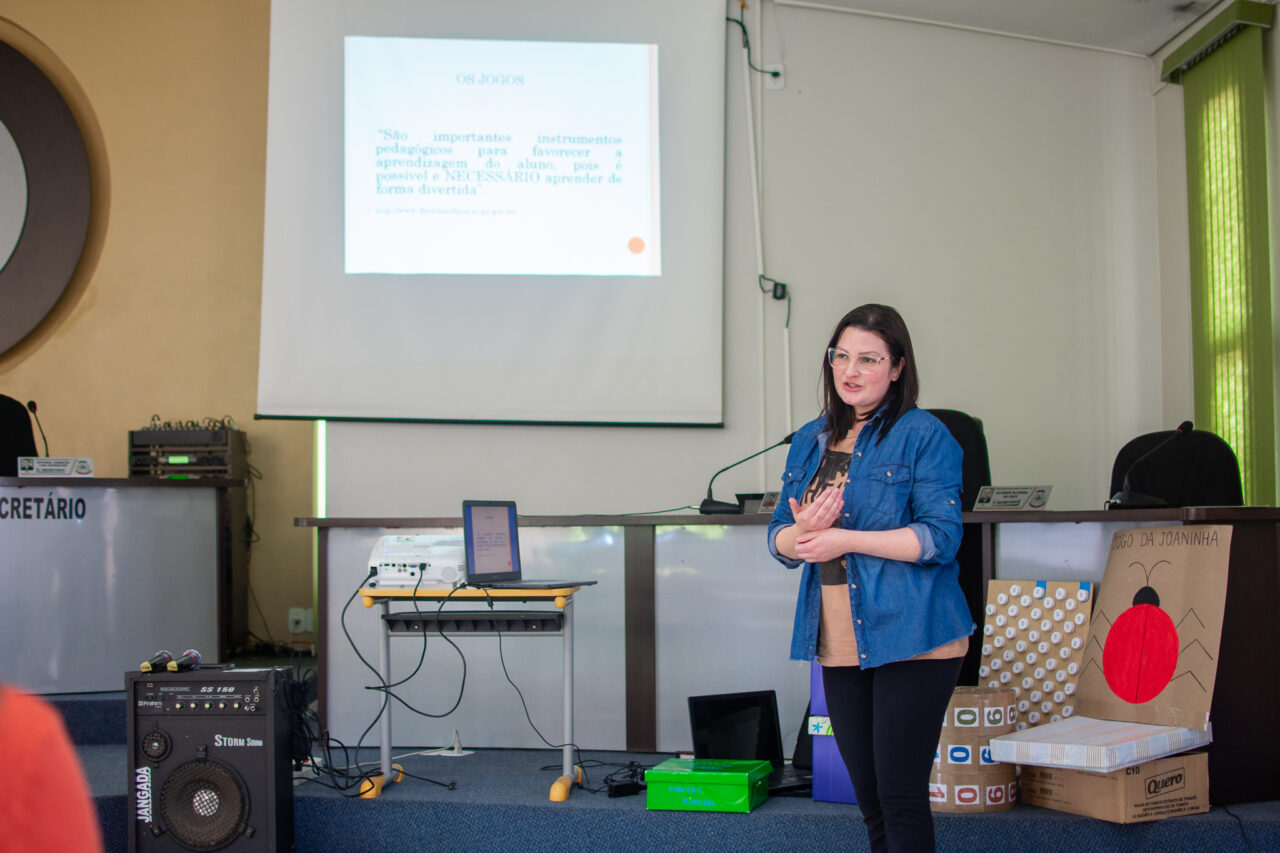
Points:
[[408, 560]]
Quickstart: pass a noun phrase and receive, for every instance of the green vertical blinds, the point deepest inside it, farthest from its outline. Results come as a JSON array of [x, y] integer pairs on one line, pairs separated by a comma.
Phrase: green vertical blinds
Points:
[[1232, 348]]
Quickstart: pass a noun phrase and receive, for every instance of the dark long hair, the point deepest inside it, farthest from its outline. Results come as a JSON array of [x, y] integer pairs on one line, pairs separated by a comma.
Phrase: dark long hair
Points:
[[901, 397]]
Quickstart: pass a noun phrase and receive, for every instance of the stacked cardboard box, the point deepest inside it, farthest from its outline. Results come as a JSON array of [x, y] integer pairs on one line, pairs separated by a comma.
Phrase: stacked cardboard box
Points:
[[1145, 684], [1157, 789], [966, 777]]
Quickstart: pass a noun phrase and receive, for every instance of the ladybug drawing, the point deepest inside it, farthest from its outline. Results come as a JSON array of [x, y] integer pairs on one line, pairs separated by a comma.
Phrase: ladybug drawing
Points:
[[1141, 651]]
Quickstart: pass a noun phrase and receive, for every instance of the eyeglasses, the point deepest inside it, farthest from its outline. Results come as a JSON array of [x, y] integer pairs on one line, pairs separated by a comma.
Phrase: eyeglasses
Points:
[[863, 363]]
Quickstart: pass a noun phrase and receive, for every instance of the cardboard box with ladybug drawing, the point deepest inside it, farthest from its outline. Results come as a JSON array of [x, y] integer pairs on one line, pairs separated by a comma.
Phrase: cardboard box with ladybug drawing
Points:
[[1152, 655], [1147, 675]]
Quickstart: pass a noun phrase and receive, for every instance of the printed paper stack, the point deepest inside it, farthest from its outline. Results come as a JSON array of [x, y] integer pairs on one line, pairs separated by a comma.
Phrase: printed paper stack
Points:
[[1084, 743]]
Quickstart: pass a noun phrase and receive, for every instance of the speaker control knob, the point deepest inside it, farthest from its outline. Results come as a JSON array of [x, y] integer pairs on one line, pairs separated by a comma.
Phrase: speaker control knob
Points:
[[155, 745]]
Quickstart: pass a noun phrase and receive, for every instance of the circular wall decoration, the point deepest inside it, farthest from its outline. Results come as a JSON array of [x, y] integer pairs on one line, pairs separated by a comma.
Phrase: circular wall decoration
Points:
[[13, 195], [53, 223]]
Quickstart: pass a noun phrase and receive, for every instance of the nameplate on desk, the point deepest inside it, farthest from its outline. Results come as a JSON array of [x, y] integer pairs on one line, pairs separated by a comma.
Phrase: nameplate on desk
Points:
[[55, 466], [1012, 497], [755, 504]]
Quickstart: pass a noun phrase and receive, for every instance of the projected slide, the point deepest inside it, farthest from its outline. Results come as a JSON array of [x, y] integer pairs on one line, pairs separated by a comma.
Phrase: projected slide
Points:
[[474, 157]]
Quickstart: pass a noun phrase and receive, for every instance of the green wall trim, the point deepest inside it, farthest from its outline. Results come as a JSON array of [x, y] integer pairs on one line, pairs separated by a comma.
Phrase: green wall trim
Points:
[[1237, 16]]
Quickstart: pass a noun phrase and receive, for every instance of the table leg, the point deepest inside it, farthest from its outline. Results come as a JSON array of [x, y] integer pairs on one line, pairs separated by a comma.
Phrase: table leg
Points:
[[384, 669], [372, 786], [561, 787], [568, 688]]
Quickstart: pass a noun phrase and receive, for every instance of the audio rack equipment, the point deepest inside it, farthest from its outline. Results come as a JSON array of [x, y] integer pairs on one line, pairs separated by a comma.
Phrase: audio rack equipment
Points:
[[188, 453], [209, 760]]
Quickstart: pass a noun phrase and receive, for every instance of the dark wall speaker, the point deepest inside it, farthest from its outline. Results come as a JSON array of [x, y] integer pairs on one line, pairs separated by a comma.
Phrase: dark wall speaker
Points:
[[209, 765]]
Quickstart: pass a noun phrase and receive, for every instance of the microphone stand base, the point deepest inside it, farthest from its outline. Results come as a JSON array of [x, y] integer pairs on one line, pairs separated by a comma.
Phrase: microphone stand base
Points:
[[1135, 500], [713, 507]]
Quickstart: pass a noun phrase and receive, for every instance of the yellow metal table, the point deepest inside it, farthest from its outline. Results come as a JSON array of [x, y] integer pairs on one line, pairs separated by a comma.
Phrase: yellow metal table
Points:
[[464, 623]]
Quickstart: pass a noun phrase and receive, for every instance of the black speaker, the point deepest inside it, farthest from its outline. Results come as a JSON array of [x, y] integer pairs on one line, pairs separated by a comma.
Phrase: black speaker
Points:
[[209, 764]]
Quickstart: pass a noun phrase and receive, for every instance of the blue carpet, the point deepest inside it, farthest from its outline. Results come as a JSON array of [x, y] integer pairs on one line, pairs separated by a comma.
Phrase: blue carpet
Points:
[[92, 718], [500, 802]]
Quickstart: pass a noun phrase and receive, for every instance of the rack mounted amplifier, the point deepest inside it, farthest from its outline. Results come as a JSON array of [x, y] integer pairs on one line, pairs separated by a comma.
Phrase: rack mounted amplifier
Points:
[[188, 453]]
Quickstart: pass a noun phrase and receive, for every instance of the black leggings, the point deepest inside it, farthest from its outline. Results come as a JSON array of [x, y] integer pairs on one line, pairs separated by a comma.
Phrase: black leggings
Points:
[[886, 721]]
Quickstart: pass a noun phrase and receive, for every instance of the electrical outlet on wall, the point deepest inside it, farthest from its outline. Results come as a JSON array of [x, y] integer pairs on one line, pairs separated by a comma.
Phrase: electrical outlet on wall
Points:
[[775, 77], [297, 620]]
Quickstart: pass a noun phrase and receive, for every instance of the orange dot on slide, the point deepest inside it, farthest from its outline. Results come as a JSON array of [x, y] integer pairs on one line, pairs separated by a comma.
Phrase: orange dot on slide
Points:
[[636, 245]]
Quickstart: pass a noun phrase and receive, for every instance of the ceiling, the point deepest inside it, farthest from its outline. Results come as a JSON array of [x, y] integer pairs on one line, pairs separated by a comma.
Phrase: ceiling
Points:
[[1130, 26]]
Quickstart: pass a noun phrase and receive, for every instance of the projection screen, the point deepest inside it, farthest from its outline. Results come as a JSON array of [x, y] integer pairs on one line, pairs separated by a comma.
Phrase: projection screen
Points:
[[494, 212]]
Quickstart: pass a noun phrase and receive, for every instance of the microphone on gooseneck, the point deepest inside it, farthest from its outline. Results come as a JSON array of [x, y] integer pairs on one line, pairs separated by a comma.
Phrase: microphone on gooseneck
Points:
[[711, 506], [1126, 498], [31, 407]]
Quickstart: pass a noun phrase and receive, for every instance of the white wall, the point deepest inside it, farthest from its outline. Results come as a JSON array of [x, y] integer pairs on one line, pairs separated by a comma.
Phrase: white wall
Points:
[[1003, 194]]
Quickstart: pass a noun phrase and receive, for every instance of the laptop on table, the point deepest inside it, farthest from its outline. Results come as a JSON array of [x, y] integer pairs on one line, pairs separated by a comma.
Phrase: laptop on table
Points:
[[745, 726], [491, 546]]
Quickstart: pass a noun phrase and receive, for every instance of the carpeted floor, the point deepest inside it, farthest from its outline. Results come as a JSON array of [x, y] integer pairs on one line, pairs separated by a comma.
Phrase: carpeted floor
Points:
[[500, 802]]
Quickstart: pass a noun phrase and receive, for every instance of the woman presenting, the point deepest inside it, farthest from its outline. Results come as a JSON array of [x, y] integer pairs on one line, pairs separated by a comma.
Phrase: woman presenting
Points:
[[870, 509]]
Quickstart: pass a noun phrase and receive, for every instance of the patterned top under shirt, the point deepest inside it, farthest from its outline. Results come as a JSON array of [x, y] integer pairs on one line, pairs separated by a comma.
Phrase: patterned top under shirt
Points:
[[837, 645]]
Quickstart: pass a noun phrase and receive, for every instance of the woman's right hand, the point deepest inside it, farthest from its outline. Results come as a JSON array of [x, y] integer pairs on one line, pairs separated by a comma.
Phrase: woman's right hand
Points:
[[821, 514]]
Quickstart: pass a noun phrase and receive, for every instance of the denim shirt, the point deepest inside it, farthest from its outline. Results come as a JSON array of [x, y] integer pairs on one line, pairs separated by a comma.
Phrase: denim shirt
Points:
[[909, 479]]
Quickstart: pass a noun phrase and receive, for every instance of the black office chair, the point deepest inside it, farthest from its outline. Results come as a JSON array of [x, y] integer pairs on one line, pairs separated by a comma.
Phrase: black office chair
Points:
[[17, 438], [975, 472], [1196, 469]]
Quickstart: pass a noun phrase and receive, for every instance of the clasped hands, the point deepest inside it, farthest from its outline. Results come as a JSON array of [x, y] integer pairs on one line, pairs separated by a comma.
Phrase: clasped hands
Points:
[[817, 540]]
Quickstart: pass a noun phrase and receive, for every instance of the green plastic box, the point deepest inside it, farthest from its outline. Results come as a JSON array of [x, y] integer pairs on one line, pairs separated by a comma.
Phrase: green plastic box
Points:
[[707, 785]]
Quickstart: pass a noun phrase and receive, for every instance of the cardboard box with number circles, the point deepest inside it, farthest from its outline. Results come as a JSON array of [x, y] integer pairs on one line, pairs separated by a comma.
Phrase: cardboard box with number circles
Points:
[[966, 777], [1167, 787]]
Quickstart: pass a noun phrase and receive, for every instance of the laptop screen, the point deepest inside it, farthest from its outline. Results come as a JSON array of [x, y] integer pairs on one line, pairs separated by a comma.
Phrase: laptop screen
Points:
[[737, 726], [490, 541]]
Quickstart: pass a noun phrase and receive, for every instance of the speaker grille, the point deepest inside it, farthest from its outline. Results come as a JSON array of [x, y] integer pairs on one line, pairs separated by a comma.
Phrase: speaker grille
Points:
[[203, 805]]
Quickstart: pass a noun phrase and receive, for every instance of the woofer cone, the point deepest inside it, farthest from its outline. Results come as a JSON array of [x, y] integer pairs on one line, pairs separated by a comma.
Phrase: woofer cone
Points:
[[203, 805]]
